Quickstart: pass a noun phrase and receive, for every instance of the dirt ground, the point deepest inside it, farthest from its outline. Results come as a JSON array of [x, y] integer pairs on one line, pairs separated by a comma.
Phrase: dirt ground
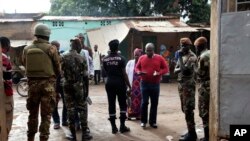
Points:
[[170, 120]]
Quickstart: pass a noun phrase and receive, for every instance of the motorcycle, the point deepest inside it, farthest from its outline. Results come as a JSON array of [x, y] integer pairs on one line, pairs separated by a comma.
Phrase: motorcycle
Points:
[[22, 87]]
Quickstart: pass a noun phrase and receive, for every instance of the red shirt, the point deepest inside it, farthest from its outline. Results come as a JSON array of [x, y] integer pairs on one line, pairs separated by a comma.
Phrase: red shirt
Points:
[[7, 75], [149, 66]]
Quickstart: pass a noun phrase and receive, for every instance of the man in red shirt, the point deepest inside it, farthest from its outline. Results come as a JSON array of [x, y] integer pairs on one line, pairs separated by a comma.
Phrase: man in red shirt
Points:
[[151, 67], [9, 103]]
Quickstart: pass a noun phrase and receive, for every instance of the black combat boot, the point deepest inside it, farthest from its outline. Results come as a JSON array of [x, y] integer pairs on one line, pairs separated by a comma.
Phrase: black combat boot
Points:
[[31, 137], [190, 136], [113, 125], [72, 137], [123, 128], [206, 134], [44, 138], [85, 134]]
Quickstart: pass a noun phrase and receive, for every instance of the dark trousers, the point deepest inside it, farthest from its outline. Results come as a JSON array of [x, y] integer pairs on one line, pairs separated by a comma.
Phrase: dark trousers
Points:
[[55, 114], [113, 89], [97, 76], [149, 90]]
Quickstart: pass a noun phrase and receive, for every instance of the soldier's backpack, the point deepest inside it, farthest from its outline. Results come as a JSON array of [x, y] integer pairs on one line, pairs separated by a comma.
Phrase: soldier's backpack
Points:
[[38, 63]]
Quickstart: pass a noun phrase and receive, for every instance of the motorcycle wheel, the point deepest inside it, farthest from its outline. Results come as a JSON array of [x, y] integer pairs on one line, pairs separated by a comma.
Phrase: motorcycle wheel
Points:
[[22, 88]]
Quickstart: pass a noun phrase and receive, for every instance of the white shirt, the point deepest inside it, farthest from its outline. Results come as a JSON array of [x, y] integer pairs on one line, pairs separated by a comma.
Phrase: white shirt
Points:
[[130, 70], [85, 54], [96, 60]]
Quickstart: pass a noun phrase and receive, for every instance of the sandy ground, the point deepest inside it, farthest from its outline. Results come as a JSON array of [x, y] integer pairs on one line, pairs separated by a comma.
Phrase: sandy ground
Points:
[[171, 122]]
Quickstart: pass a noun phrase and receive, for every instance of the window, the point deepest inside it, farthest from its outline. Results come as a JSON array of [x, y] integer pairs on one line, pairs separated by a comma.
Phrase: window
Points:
[[54, 23], [61, 23], [235, 5], [243, 5], [108, 22], [102, 23], [58, 23]]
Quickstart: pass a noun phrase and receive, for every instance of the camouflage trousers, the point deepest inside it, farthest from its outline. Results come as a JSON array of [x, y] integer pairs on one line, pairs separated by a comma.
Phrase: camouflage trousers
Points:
[[41, 93], [203, 104], [187, 96], [75, 100]]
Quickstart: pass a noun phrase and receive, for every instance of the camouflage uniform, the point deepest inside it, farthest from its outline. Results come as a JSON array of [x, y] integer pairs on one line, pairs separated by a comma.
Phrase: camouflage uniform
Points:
[[74, 68], [204, 85], [41, 90], [186, 88]]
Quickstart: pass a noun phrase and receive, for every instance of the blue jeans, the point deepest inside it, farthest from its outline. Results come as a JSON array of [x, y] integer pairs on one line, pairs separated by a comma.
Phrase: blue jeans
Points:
[[152, 91]]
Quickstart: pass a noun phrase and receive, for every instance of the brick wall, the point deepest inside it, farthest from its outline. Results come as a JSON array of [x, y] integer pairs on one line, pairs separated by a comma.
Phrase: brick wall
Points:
[[17, 30]]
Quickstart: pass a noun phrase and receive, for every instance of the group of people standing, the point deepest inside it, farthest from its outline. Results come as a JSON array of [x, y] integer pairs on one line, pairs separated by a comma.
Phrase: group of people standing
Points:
[[144, 73], [50, 74], [190, 70], [141, 78]]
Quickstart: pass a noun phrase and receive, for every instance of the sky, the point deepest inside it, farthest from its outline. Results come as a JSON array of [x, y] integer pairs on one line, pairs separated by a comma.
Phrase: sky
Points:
[[24, 6]]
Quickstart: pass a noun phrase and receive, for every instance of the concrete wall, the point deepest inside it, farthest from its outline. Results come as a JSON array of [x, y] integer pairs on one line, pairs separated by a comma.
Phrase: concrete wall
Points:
[[17, 30], [230, 75], [64, 33]]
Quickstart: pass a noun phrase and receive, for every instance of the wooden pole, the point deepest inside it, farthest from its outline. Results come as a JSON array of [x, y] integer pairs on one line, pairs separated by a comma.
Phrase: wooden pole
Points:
[[214, 73], [3, 131]]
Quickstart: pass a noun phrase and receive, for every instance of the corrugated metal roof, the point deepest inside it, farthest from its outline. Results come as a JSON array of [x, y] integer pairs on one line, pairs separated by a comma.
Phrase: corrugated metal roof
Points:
[[160, 26], [20, 15], [87, 18], [15, 20], [17, 43]]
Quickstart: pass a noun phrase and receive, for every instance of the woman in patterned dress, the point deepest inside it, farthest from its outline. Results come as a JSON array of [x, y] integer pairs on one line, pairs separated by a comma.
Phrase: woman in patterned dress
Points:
[[134, 79]]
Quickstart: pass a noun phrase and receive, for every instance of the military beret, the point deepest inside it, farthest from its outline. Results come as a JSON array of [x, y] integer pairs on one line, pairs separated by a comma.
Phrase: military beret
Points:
[[185, 41], [114, 43], [201, 41], [56, 43], [80, 35]]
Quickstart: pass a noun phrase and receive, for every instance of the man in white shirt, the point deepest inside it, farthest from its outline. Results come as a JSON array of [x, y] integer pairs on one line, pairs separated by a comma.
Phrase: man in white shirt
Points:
[[97, 65]]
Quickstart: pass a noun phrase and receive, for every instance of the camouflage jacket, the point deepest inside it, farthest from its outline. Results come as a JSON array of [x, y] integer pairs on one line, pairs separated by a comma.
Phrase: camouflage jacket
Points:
[[74, 67], [203, 65], [189, 61]]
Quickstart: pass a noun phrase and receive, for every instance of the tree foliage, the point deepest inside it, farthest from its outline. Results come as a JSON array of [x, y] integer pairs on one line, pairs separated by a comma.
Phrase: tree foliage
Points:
[[195, 10], [112, 7]]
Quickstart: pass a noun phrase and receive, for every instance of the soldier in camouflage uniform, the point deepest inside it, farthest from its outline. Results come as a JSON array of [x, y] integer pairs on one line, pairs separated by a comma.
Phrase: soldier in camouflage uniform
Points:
[[74, 68], [42, 66], [203, 77], [186, 87]]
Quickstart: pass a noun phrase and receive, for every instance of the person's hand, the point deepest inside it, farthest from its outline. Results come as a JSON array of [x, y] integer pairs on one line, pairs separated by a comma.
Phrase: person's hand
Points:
[[129, 92], [180, 53], [192, 59], [91, 77], [58, 97], [141, 73], [156, 73]]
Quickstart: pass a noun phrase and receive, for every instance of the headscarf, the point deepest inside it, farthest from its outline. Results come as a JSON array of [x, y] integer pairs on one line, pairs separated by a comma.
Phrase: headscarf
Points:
[[138, 51]]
